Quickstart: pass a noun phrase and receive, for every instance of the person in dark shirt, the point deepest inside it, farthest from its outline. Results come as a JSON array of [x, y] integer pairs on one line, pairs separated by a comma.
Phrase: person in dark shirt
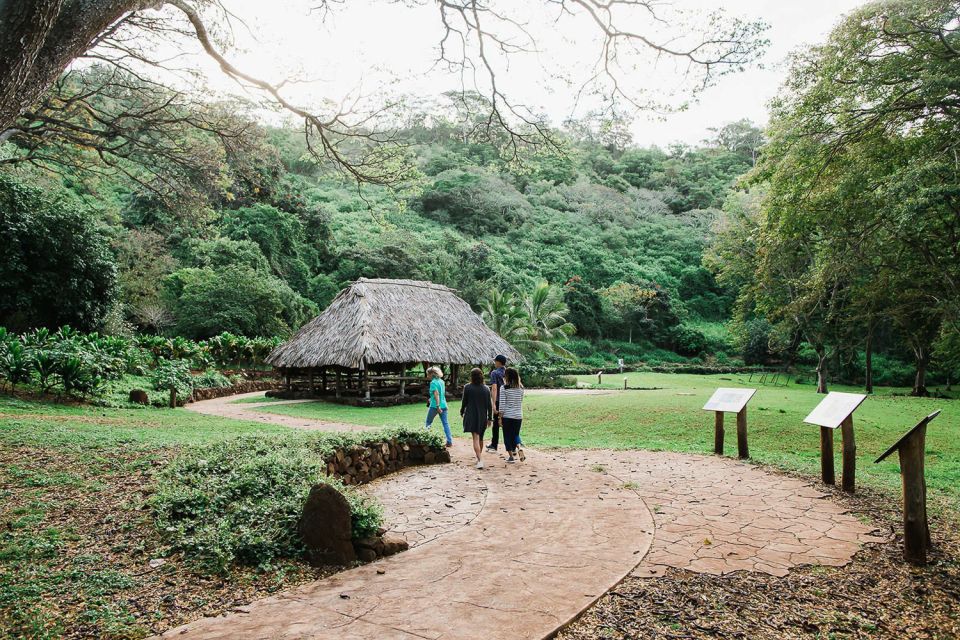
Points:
[[496, 383], [477, 411]]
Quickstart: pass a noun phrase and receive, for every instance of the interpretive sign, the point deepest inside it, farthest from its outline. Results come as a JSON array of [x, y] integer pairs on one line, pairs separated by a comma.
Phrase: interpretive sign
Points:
[[916, 528], [726, 400], [729, 400], [834, 409]]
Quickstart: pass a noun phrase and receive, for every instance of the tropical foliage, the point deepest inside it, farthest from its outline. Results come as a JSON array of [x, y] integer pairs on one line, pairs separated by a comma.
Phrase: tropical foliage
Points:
[[848, 241]]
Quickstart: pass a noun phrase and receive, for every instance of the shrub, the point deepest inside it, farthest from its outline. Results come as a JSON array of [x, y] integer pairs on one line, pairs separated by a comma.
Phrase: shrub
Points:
[[210, 379], [240, 500], [172, 375]]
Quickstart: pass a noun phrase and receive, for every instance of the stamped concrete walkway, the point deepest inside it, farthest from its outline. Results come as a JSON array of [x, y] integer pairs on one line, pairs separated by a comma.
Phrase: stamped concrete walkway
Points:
[[516, 551]]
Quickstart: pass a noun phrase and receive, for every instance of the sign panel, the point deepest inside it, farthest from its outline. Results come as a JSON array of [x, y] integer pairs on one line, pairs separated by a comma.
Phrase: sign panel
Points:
[[732, 400], [896, 445], [834, 409]]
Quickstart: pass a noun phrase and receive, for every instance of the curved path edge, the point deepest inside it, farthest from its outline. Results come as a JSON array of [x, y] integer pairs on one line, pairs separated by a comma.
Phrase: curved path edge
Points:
[[525, 549]]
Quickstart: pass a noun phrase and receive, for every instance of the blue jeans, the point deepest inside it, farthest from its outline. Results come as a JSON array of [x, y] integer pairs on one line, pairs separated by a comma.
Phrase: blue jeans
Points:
[[432, 413]]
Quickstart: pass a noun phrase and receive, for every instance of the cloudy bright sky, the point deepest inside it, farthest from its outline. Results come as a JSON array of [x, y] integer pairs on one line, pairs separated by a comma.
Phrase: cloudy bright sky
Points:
[[381, 47]]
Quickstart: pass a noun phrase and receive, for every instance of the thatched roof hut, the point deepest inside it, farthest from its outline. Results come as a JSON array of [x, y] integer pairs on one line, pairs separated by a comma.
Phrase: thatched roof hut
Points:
[[389, 325]]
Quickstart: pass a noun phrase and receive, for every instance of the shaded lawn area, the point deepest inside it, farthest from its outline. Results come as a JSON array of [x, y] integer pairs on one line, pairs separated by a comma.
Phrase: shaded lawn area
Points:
[[670, 417], [76, 536]]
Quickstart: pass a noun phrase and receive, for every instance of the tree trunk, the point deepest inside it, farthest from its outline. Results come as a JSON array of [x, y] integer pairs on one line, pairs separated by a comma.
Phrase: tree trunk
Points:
[[920, 381], [868, 373], [630, 338], [821, 371]]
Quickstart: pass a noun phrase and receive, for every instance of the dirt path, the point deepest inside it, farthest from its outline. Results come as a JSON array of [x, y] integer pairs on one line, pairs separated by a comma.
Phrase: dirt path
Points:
[[516, 551]]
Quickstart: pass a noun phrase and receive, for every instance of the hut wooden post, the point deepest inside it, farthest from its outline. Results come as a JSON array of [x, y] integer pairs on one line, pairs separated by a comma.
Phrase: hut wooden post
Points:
[[454, 372], [365, 385], [849, 444], [286, 378], [338, 383], [743, 451], [323, 380], [826, 456], [718, 433], [313, 387], [403, 381]]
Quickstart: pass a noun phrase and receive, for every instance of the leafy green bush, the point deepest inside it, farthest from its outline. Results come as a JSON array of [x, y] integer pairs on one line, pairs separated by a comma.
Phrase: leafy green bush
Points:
[[172, 375], [239, 500], [211, 379]]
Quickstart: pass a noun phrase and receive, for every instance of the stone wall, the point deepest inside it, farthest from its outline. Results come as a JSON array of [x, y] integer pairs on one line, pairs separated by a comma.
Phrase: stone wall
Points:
[[325, 525], [361, 464], [246, 386]]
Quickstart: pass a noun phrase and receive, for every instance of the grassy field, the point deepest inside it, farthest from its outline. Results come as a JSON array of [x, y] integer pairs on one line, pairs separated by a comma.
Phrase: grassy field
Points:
[[667, 415], [76, 540]]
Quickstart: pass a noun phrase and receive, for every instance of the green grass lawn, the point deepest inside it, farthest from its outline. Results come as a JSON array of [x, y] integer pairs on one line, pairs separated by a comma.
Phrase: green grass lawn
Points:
[[75, 536], [670, 418]]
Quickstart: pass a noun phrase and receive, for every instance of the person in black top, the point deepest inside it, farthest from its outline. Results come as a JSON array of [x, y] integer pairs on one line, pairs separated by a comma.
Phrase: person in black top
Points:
[[496, 383], [477, 411]]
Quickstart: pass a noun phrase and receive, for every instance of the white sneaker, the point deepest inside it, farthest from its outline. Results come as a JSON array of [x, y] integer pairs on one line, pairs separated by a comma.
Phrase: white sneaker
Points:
[[479, 464]]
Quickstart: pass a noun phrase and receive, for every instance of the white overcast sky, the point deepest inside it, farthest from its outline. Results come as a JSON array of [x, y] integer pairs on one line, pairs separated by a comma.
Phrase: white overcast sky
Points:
[[376, 47]]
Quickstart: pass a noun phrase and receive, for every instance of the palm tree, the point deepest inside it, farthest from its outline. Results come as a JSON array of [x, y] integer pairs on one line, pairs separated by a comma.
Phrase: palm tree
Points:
[[533, 323], [546, 314], [502, 313]]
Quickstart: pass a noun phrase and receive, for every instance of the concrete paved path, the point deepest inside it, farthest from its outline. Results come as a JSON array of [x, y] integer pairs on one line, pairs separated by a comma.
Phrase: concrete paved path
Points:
[[516, 551]]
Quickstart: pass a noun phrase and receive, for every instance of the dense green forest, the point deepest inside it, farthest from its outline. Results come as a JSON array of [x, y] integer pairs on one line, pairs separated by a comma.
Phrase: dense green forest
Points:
[[257, 238], [826, 243]]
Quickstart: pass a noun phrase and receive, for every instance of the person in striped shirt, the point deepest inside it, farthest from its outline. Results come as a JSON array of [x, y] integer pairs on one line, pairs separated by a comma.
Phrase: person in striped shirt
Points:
[[511, 411]]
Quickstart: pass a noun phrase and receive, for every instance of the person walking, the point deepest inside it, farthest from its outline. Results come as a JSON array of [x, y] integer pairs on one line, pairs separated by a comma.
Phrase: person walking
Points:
[[496, 383], [438, 402], [511, 410], [476, 411]]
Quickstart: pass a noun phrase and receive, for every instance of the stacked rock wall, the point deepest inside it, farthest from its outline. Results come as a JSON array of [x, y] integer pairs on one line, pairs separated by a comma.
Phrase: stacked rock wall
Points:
[[361, 464]]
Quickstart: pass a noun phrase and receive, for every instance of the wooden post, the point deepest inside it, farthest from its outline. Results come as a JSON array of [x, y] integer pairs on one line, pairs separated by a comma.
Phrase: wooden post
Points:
[[718, 433], [849, 448], [599, 377], [313, 387], [323, 380], [338, 383], [826, 455], [624, 383], [742, 450], [916, 528], [286, 377]]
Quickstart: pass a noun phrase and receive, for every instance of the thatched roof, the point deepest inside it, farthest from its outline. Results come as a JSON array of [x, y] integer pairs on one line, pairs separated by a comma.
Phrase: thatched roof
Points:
[[392, 321]]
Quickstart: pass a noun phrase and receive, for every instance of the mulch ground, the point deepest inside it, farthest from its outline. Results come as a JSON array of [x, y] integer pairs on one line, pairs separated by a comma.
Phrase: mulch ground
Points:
[[878, 595], [76, 541]]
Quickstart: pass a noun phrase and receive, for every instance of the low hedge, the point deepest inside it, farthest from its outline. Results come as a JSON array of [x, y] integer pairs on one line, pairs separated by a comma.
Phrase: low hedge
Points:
[[239, 500]]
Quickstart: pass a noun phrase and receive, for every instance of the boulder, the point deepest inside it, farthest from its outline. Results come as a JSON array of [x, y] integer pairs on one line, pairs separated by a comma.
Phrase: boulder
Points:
[[325, 527], [366, 555], [393, 544], [139, 396]]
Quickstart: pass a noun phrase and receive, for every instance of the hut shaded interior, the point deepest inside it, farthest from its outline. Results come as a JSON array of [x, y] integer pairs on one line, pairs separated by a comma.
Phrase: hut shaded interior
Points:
[[377, 338]]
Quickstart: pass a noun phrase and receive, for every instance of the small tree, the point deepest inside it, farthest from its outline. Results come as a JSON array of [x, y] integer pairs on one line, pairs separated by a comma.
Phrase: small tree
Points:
[[173, 376]]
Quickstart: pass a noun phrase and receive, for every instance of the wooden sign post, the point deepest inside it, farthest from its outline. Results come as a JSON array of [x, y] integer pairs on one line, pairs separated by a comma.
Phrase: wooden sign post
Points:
[[916, 528], [730, 401], [836, 410]]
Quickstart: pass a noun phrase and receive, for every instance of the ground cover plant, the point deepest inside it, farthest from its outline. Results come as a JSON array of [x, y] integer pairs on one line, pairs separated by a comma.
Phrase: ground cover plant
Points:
[[664, 412], [81, 489]]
